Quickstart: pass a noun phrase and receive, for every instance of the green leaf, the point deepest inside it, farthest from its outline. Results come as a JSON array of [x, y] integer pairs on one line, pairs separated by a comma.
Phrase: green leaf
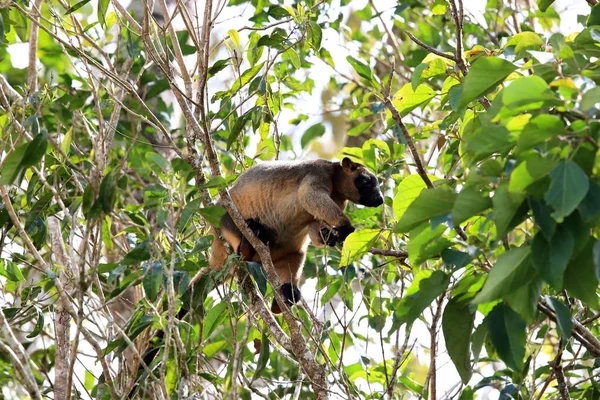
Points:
[[88, 204], [333, 288], [139, 253], [77, 6], [508, 209], [580, 277], [469, 202], [541, 216], [457, 325], [102, 9], [527, 90], [488, 140], [406, 99], [219, 66], [293, 56], [485, 75], [357, 244], [254, 52], [276, 40], [407, 191], [563, 317], [235, 38], [552, 258], [238, 126], [363, 70], [12, 168], [596, 253], [420, 295], [426, 243], [525, 41], [544, 4], [315, 131], [12, 271], [539, 129], [36, 150], [594, 17], [212, 214], [263, 358], [21, 24], [159, 161], [569, 185], [245, 78], [524, 300], [456, 258], [467, 394], [430, 203], [590, 98], [529, 171], [216, 182], [259, 276], [315, 35], [360, 128], [39, 325], [478, 339], [39, 207], [107, 195], [512, 270], [507, 331], [152, 279], [589, 208], [416, 76], [65, 145], [214, 318]]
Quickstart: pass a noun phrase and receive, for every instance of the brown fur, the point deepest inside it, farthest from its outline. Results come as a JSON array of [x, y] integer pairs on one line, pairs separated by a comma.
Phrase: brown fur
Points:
[[294, 201]]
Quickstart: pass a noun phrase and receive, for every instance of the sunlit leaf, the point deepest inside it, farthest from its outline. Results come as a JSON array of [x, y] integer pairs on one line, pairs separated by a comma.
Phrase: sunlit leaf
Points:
[[484, 76], [429, 204], [407, 99]]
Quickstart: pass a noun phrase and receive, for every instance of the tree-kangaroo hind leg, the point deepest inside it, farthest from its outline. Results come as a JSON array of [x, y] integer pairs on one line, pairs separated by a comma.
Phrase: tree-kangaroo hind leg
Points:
[[263, 234], [238, 242], [289, 271]]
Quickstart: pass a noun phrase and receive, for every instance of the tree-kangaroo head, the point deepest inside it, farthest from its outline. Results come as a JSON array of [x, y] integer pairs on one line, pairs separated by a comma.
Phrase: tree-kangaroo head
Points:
[[357, 184]]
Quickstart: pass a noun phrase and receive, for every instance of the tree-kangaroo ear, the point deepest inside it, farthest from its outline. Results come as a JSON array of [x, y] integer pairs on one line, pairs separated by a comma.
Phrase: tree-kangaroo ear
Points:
[[349, 165]]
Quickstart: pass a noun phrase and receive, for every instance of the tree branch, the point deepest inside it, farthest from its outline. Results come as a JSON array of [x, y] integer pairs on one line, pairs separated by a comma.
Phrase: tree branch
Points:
[[62, 320], [19, 358], [580, 332], [429, 48], [389, 253], [33, 45], [559, 373]]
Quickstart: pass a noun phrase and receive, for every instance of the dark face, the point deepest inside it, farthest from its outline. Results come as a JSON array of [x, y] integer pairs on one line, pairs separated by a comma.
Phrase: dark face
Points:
[[368, 188]]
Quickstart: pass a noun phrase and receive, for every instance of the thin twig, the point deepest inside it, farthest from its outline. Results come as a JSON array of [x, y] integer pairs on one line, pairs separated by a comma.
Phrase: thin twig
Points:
[[429, 48], [387, 101], [433, 349], [559, 373], [389, 253]]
